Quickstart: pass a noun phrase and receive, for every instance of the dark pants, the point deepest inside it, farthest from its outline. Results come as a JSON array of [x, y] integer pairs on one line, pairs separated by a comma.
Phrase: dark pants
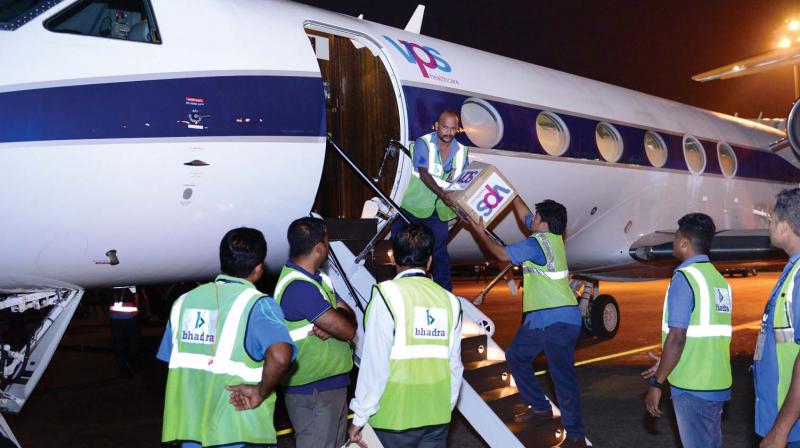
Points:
[[441, 259], [426, 437], [125, 335], [558, 342], [319, 419]]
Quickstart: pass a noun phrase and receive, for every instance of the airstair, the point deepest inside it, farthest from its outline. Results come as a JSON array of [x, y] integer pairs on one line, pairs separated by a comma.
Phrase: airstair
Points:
[[489, 397]]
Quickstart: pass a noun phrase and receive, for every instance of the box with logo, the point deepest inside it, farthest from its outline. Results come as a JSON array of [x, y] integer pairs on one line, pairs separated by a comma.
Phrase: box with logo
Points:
[[481, 191]]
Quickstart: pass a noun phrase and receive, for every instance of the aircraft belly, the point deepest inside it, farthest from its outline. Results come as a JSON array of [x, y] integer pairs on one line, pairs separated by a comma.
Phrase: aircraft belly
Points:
[[611, 206], [163, 218]]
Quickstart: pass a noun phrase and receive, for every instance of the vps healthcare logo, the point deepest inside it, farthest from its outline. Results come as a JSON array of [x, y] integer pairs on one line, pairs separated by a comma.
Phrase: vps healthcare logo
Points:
[[487, 199], [427, 59]]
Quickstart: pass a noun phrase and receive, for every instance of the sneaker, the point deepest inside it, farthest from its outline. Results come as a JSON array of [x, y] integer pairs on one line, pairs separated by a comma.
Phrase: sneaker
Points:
[[573, 443], [532, 415]]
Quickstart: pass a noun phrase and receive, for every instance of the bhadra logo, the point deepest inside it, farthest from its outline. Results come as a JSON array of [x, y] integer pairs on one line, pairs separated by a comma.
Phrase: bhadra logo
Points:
[[426, 58]]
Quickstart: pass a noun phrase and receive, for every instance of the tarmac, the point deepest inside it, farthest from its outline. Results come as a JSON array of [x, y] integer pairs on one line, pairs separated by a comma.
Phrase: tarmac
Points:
[[80, 402]]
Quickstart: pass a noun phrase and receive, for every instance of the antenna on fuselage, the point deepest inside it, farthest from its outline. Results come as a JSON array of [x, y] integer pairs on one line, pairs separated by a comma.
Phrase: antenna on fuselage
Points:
[[414, 24]]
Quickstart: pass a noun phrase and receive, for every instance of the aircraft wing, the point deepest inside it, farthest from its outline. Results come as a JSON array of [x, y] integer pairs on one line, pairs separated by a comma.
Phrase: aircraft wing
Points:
[[747, 247], [766, 61]]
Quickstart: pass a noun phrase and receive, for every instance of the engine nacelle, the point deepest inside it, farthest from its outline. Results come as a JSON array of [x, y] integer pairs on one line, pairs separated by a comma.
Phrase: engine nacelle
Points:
[[793, 128]]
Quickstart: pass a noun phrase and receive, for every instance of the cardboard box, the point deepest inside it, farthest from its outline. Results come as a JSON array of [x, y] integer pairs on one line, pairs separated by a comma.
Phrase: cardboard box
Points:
[[481, 192]]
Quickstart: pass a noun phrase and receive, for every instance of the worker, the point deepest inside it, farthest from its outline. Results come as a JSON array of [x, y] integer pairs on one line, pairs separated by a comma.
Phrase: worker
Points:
[[126, 330], [321, 326], [776, 369], [410, 371], [552, 320], [225, 335], [438, 159], [695, 339]]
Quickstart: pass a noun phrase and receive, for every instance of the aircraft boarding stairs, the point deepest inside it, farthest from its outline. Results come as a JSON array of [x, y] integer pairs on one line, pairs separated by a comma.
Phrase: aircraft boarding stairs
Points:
[[489, 398]]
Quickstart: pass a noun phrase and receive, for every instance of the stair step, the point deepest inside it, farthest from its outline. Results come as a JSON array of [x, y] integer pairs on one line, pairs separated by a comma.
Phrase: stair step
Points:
[[486, 375], [506, 406], [474, 348], [543, 435]]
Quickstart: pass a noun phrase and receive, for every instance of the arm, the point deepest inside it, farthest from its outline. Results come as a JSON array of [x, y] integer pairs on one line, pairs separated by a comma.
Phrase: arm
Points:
[[673, 348], [338, 322], [276, 362], [479, 232], [521, 210]]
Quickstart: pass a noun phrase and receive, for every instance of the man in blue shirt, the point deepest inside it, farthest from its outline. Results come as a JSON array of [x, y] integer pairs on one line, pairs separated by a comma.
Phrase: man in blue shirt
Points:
[[203, 363], [776, 367], [552, 319], [321, 326], [696, 335]]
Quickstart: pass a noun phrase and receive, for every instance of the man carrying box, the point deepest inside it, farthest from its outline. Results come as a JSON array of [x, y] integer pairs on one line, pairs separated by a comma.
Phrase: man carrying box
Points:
[[438, 159], [552, 319]]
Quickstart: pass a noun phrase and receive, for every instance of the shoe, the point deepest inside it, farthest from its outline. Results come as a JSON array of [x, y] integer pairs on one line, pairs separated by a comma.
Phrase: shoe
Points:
[[532, 415], [573, 443]]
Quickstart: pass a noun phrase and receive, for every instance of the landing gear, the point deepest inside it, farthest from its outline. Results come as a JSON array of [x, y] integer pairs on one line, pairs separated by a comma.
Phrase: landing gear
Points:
[[600, 311]]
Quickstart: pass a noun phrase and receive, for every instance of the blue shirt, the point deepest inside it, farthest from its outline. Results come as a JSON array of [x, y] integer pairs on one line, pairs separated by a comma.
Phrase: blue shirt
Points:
[[420, 159], [302, 300], [765, 371], [680, 304], [530, 250]]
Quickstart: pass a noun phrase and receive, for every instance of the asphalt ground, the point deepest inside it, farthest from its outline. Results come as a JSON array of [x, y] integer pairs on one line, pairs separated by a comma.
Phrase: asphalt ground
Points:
[[80, 402]]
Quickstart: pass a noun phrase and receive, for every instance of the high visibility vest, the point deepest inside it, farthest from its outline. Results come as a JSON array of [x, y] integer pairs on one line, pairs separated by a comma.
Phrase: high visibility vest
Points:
[[705, 363], [208, 329], [316, 359], [547, 286], [785, 347], [425, 317], [418, 199], [123, 310]]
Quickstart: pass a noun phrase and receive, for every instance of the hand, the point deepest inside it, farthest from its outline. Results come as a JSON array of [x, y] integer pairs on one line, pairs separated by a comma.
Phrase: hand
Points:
[[319, 332], [652, 400], [774, 440], [354, 433], [245, 396], [652, 370]]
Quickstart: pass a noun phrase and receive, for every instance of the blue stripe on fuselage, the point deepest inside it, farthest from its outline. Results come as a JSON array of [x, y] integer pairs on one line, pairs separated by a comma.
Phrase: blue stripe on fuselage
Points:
[[230, 106], [519, 135]]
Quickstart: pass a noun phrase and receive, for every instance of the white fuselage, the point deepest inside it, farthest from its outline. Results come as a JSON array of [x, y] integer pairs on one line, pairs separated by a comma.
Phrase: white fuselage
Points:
[[96, 158]]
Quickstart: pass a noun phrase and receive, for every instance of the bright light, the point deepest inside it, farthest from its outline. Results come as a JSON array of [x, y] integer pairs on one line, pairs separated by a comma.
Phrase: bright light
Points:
[[785, 42], [737, 68], [794, 25]]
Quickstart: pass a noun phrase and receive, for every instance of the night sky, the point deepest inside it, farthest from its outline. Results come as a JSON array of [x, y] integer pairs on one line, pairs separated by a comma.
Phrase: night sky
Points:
[[645, 45]]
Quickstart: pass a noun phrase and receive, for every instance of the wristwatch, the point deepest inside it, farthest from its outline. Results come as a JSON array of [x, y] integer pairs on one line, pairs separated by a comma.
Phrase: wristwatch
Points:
[[653, 382]]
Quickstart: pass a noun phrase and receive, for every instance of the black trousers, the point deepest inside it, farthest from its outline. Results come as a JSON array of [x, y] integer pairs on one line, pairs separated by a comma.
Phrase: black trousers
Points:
[[425, 437], [125, 335]]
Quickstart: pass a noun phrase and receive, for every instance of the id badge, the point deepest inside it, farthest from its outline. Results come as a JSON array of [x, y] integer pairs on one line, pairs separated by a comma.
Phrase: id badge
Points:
[[759, 346]]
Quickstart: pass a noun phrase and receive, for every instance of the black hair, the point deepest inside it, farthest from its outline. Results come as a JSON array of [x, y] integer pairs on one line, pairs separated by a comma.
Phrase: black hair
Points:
[[554, 214], [699, 229], [241, 250], [412, 246], [787, 208], [304, 234]]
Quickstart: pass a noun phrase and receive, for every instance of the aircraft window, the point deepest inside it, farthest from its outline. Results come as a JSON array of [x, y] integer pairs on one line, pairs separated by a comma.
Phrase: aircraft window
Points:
[[694, 154], [655, 148], [482, 122], [131, 20], [552, 133], [727, 159], [15, 13], [609, 142]]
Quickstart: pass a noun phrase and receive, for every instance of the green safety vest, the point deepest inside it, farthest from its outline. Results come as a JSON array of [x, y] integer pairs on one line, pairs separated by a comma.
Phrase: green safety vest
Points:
[[208, 329], [705, 363], [418, 199], [785, 347], [547, 286], [426, 318], [316, 359]]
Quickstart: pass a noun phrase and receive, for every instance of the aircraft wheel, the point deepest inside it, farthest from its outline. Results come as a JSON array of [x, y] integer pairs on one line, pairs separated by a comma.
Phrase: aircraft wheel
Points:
[[604, 316]]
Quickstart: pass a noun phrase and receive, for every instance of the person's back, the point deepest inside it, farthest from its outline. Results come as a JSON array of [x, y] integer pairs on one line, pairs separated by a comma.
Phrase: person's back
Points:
[[219, 335], [410, 372]]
